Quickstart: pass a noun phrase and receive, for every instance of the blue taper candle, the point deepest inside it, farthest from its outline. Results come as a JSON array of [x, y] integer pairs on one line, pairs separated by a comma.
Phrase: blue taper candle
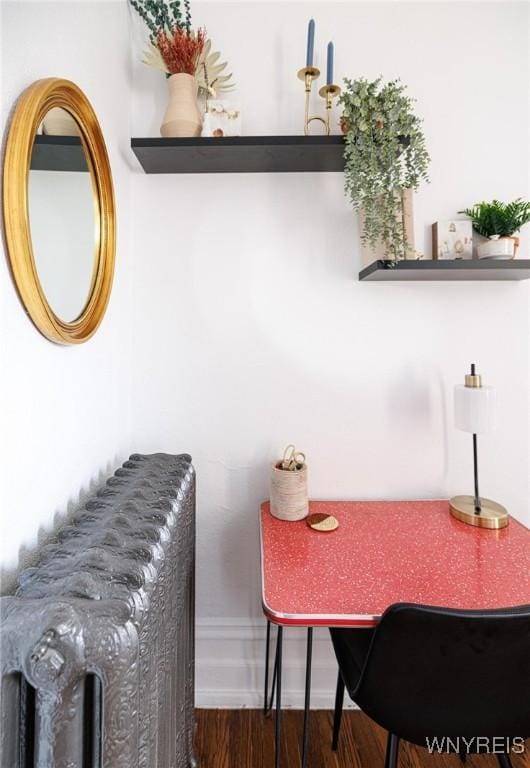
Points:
[[329, 79], [310, 43]]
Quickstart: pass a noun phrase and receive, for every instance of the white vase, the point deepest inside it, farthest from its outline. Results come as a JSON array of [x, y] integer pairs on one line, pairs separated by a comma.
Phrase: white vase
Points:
[[182, 117], [59, 122], [497, 248]]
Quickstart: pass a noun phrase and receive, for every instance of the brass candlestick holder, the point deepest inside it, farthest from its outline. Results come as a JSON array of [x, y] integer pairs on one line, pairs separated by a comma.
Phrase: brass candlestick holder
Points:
[[327, 92]]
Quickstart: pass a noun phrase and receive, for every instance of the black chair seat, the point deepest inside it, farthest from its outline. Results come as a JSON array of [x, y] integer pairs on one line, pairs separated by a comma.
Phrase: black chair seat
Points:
[[427, 673]]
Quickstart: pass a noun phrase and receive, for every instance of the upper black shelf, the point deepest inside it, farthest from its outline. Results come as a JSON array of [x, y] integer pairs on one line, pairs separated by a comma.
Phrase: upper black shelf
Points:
[[241, 154], [429, 269], [58, 153]]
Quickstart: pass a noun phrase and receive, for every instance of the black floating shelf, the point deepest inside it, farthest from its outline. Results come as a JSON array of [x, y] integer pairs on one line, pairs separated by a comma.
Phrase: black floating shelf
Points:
[[58, 153], [241, 154], [429, 269]]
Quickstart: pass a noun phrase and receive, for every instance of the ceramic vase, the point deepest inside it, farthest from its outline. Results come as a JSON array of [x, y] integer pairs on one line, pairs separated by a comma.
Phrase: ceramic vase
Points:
[[182, 117], [498, 248], [59, 122]]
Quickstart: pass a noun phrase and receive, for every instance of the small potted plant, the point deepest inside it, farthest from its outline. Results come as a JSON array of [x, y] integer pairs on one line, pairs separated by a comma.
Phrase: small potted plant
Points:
[[186, 58], [499, 223], [385, 156]]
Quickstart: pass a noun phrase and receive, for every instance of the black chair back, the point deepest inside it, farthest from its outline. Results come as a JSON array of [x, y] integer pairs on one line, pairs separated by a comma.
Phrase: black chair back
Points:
[[438, 672]]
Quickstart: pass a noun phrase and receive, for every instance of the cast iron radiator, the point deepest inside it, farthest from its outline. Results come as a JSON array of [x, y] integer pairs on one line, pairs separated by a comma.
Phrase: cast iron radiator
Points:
[[97, 645]]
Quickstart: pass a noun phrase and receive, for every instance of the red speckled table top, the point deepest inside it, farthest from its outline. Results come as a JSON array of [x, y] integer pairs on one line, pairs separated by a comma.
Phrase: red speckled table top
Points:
[[386, 552]]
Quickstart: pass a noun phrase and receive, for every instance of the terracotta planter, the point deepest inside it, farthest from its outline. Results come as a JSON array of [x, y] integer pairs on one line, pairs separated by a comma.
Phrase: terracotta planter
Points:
[[182, 117]]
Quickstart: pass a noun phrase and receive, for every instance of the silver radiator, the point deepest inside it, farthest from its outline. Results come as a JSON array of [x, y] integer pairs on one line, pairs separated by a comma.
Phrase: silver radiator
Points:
[[97, 645]]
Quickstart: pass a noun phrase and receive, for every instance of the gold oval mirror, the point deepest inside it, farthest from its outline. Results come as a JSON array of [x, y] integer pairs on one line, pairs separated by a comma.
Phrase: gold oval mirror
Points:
[[59, 210]]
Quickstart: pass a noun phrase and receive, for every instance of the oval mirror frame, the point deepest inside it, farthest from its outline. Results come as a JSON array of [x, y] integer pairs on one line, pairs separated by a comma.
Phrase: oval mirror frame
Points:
[[30, 110]]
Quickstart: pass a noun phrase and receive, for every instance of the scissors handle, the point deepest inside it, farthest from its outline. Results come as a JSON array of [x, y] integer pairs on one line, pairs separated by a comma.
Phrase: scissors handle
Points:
[[292, 459]]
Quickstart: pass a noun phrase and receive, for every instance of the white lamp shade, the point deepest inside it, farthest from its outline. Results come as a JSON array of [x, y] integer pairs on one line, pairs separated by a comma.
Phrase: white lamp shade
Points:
[[475, 409]]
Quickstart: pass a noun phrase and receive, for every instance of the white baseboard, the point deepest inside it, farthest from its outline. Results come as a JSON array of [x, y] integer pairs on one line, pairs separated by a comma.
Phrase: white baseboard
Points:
[[230, 660]]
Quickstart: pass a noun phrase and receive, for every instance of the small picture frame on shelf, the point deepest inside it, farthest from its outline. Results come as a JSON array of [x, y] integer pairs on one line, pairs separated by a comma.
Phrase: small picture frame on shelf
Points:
[[452, 240]]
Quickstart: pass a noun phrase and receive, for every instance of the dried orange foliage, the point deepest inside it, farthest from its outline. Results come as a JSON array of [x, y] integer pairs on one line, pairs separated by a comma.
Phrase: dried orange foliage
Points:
[[181, 49]]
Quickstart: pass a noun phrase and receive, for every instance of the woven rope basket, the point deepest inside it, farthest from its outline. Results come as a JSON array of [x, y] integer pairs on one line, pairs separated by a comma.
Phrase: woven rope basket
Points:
[[289, 493]]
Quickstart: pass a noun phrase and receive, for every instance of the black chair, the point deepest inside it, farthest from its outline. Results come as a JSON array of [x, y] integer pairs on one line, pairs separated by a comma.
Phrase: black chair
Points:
[[426, 673]]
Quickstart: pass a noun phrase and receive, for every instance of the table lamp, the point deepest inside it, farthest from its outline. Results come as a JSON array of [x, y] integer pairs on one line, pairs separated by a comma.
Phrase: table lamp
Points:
[[475, 413]]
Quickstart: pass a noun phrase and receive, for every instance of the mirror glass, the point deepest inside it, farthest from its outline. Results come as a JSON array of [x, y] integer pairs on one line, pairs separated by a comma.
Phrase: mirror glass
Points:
[[62, 216]]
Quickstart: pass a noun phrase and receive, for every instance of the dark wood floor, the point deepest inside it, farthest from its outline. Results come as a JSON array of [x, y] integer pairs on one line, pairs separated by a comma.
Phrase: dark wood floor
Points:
[[245, 739]]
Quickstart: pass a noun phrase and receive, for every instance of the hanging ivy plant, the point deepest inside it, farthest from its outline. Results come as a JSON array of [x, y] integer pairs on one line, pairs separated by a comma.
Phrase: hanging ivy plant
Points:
[[385, 153]]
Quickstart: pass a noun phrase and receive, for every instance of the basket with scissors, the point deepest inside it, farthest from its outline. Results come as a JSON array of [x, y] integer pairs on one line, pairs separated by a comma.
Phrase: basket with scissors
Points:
[[288, 489]]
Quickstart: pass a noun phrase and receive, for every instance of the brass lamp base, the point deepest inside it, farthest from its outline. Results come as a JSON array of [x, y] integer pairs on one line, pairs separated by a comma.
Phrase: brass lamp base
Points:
[[491, 515]]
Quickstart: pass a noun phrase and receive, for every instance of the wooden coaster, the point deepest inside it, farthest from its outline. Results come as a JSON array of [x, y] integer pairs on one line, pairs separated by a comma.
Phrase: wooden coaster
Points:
[[319, 521]]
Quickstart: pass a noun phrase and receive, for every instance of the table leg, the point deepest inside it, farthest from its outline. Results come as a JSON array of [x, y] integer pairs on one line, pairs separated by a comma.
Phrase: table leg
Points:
[[274, 675], [337, 716], [305, 738], [278, 729], [267, 650]]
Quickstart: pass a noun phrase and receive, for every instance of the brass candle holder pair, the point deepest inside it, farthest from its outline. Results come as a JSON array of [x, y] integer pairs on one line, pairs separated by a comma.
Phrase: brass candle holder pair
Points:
[[327, 92]]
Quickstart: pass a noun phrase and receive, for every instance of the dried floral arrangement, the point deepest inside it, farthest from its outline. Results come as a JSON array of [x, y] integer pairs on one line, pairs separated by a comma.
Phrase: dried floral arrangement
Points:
[[163, 15], [210, 73], [175, 48], [385, 153], [180, 50]]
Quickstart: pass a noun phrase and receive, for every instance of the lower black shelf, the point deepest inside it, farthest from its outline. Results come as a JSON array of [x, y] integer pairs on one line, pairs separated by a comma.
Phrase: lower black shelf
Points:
[[431, 269]]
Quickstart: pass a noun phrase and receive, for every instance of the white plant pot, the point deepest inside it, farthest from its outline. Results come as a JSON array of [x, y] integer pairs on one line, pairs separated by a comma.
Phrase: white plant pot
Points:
[[497, 248], [182, 117]]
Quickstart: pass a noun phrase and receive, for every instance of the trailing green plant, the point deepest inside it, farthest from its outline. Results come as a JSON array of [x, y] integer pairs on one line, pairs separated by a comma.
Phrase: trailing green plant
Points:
[[385, 153], [496, 218]]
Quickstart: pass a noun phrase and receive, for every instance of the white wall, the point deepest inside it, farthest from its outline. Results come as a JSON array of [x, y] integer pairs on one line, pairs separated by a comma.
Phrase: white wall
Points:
[[66, 411], [255, 332]]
